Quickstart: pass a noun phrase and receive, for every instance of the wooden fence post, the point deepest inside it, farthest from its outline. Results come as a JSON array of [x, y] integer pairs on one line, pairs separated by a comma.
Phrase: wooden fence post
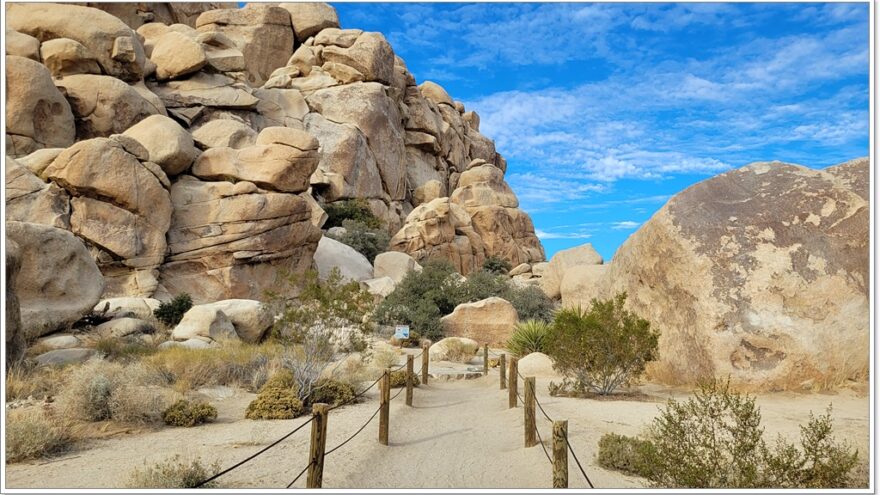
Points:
[[531, 439], [502, 367], [512, 384], [317, 445], [410, 376], [560, 454], [384, 406], [425, 360], [485, 359]]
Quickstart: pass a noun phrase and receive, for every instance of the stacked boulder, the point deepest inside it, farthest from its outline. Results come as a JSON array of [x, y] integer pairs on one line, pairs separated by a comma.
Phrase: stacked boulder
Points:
[[189, 148]]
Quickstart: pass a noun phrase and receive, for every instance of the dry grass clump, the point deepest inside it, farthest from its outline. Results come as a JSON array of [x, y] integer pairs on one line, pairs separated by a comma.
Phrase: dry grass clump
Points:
[[101, 390], [383, 356], [237, 364], [174, 472], [352, 370], [459, 351], [24, 381], [33, 433]]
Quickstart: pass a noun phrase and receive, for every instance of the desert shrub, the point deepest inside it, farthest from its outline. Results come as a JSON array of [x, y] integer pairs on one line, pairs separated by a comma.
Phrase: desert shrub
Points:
[[383, 356], [530, 302], [23, 381], [459, 351], [714, 440], [626, 454], [350, 209], [170, 313], [33, 434], [481, 285], [528, 337], [422, 298], [101, 390], [231, 364], [333, 392], [174, 472], [275, 403], [364, 239], [494, 264], [189, 413], [603, 348], [398, 379]]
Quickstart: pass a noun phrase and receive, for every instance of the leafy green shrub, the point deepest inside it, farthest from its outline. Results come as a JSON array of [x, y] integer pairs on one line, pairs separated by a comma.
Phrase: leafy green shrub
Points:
[[187, 413], [530, 302], [364, 239], [481, 285], [626, 454], [331, 392], [714, 440], [528, 337], [422, 298], [350, 209], [174, 473], [601, 349], [34, 434], [398, 379], [170, 313], [494, 264]]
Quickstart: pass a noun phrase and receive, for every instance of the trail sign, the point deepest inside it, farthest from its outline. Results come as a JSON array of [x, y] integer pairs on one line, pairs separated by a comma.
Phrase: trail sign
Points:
[[401, 332]]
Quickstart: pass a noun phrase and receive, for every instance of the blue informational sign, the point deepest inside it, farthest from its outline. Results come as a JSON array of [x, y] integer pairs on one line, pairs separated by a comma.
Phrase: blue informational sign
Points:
[[401, 332]]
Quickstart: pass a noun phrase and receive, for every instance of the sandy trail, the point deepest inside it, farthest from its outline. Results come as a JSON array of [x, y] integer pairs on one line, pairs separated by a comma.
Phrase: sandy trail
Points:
[[459, 434]]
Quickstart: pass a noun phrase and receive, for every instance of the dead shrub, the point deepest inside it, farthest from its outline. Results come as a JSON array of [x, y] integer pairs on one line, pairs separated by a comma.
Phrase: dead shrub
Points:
[[174, 472], [32, 434]]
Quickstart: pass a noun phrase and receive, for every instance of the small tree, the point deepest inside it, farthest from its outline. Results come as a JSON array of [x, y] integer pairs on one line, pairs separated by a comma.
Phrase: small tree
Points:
[[350, 209], [170, 313], [603, 348], [494, 264], [364, 239]]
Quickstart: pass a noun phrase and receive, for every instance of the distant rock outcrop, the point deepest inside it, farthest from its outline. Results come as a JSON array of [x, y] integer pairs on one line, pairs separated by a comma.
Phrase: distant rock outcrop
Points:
[[759, 274]]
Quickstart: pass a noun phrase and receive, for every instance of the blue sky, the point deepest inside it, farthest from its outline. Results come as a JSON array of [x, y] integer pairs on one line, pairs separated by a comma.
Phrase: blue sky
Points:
[[604, 111]]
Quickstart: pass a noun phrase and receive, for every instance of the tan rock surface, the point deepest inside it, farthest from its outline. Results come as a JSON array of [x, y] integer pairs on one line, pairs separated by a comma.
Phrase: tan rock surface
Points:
[[309, 18], [489, 321], [103, 105], [564, 260], [169, 145], [176, 55], [66, 57], [395, 265]]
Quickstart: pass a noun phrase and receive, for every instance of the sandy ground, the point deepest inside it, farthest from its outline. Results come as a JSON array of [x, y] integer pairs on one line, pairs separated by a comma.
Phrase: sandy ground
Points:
[[459, 434]]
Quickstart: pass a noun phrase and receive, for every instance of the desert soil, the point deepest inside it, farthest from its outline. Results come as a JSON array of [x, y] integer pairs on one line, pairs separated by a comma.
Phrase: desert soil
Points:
[[459, 434]]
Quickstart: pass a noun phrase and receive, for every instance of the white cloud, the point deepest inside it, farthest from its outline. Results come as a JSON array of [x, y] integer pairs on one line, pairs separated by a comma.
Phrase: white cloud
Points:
[[561, 235], [625, 225]]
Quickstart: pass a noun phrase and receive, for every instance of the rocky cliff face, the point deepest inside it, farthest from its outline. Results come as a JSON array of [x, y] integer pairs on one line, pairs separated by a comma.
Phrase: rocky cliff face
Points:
[[191, 146], [760, 274]]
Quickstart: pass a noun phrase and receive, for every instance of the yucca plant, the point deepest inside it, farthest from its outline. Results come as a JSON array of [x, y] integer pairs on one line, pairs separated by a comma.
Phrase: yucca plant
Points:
[[528, 337]]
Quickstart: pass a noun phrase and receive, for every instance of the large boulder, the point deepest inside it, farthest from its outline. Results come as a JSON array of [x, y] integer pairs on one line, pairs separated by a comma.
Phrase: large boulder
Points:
[[229, 241], [115, 46], [22, 45], [394, 264], [759, 274], [125, 327], [59, 281], [442, 350], [136, 15], [332, 254], [368, 107], [29, 199], [206, 323], [15, 342], [204, 89], [37, 114], [562, 262], [309, 18], [221, 133], [169, 145], [263, 33], [176, 54], [250, 318], [63, 357], [583, 283], [121, 206], [103, 105], [488, 321], [536, 364], [347, 168], [66, 57], [127, 307], [369, 58], [441, 229]]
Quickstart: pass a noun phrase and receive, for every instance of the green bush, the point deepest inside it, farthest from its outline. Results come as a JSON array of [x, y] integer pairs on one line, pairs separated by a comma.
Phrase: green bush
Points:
[[398, 379], [528, 337], [603, 348], [364, 239], [494, 264], [187, 413], [277, 399], [715, 440], [626, 454], [170, 313], [174, 473], [531, 303], [350, 209], [331, 392], [481, 285]]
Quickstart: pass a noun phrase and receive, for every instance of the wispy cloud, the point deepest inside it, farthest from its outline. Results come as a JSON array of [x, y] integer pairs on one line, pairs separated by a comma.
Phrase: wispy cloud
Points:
[[561, 235], [625, 225]]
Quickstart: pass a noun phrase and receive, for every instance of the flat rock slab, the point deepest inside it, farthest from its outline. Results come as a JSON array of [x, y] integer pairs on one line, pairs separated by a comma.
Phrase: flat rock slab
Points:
[[61, 357]]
